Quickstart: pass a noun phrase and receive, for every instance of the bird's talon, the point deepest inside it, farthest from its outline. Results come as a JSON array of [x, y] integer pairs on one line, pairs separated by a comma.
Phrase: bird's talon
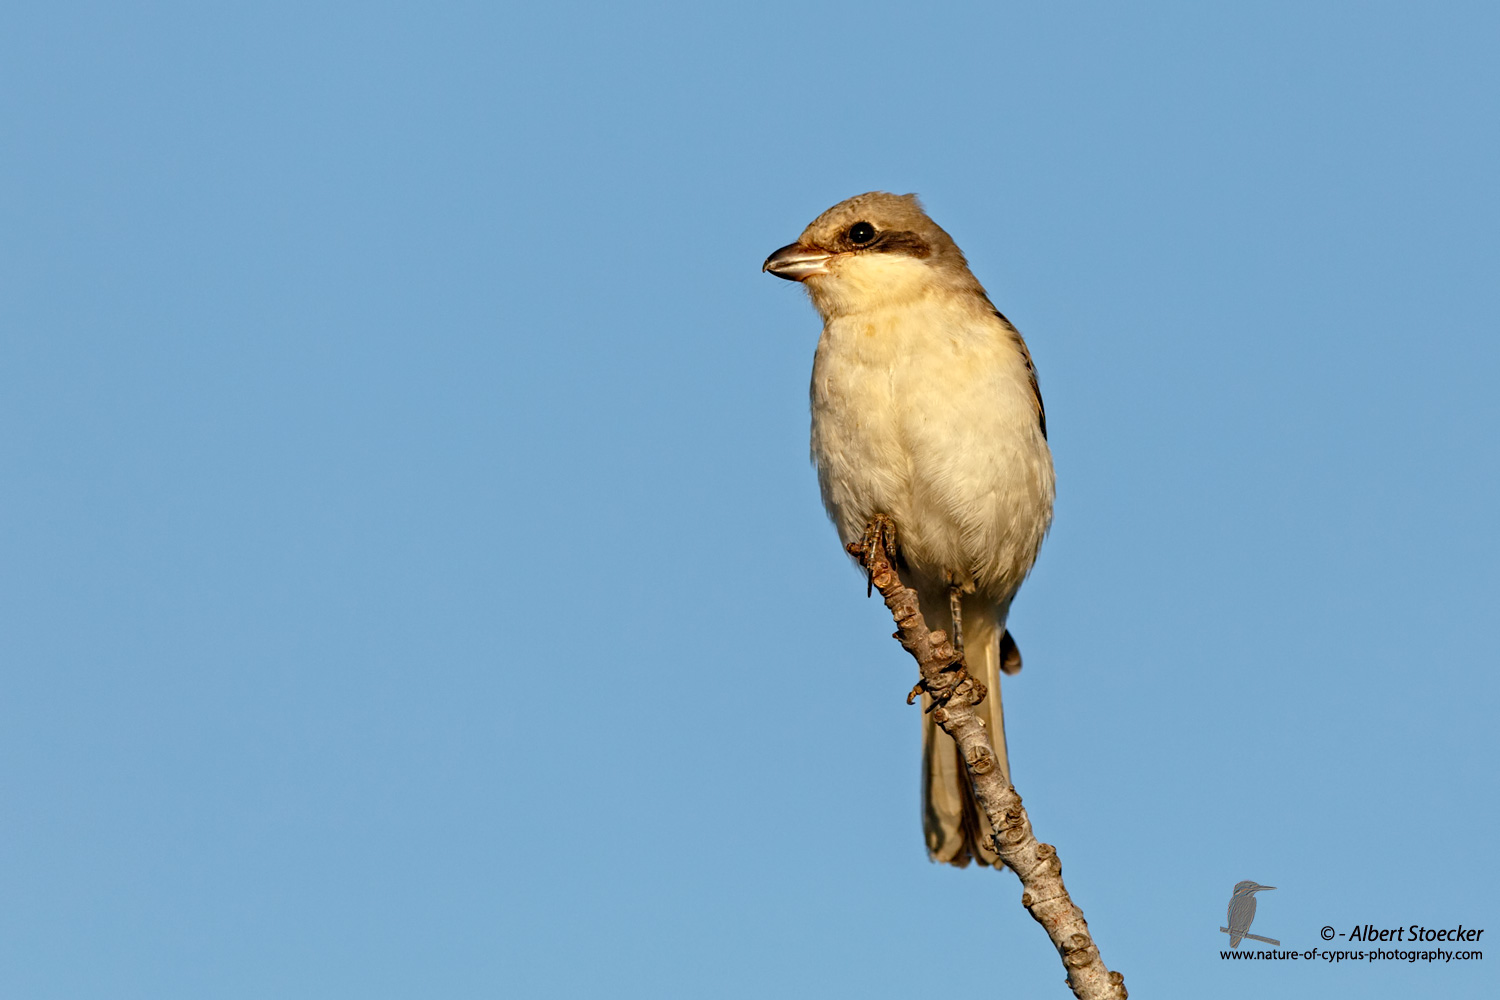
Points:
[[879, 539], [943, 695]]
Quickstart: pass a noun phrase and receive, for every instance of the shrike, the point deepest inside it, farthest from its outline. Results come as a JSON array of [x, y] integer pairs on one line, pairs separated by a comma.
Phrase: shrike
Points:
[[925, 408]]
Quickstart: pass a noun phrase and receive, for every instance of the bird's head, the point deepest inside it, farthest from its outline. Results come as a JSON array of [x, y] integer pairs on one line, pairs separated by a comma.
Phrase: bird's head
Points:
[[1247, 888], [871, 250]]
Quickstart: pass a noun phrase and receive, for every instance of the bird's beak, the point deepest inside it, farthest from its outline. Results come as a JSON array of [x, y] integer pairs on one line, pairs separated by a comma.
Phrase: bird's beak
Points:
[[797, 262], [1260, 887]]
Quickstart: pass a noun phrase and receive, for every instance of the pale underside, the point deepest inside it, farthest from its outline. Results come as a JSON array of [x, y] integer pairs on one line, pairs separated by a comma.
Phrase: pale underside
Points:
[[925, 412]]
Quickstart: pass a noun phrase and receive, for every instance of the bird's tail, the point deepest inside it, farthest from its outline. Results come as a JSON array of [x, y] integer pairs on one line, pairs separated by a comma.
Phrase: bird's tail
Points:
[[956, 828]]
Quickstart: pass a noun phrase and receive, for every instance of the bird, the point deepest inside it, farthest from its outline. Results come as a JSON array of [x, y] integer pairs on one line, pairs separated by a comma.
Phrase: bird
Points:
[[926, 409], [1242, 910]]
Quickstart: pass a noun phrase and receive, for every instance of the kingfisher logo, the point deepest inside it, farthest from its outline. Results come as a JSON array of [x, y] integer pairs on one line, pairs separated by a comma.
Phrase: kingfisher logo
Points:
[[1242, 914]]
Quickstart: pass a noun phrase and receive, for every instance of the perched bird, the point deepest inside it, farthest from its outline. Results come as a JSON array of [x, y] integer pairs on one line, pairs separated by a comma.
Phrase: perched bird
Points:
[[925, 408], [1242, 910]]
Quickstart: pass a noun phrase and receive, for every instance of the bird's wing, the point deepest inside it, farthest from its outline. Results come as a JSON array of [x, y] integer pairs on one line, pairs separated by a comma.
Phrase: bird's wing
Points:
[[1036, 389]]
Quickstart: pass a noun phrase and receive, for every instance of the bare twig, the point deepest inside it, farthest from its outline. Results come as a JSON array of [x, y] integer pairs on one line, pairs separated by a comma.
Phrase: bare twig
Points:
[[954, 695]]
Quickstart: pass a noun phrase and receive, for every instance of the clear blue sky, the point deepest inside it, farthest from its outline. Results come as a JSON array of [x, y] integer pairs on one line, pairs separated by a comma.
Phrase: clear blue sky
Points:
[[415, 584]]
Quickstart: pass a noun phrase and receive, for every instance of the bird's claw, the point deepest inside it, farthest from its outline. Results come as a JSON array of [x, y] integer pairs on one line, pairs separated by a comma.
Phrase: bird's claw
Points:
[[879, 537], [945, 694]]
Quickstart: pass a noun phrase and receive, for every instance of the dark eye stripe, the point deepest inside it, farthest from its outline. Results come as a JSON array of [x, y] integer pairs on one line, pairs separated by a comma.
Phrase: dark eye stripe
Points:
[[902, 242]]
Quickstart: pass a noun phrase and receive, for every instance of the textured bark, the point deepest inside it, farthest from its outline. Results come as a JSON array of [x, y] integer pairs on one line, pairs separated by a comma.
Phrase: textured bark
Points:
[[954, 695]]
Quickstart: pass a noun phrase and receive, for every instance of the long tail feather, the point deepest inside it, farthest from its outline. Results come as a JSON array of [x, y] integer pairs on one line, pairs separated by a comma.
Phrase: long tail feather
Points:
[[956, 829]]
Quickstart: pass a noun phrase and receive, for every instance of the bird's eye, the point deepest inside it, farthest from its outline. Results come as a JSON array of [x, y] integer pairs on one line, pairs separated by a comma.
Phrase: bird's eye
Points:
[[861, 233]]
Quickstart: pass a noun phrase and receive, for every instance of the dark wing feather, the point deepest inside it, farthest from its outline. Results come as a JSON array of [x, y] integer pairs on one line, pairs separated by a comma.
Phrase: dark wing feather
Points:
[[1036, 390]]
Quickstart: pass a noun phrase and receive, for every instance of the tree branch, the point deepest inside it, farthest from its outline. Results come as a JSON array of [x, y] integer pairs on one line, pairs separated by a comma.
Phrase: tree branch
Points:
[[954, 695], [1252, 937]]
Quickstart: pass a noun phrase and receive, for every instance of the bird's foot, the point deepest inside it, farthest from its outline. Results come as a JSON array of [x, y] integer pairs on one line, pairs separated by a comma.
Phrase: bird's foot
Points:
[[941, 696], [879, 538]]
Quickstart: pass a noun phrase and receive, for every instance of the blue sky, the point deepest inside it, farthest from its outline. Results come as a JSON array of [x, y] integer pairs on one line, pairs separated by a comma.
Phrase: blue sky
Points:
[[416, 585]]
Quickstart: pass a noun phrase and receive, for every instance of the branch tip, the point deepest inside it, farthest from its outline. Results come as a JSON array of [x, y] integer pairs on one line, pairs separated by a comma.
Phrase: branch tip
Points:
[[943, 677]]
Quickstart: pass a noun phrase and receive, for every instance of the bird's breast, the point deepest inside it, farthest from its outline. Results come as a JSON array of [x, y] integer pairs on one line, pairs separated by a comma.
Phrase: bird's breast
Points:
[[925, 412]]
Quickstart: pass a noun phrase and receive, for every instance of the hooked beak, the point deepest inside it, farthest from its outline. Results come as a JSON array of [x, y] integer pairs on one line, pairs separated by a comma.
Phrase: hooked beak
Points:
[[797, 262]]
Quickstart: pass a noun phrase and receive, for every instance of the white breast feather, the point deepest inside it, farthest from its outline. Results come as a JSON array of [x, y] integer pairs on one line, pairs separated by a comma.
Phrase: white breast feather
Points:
[[922, 408]]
